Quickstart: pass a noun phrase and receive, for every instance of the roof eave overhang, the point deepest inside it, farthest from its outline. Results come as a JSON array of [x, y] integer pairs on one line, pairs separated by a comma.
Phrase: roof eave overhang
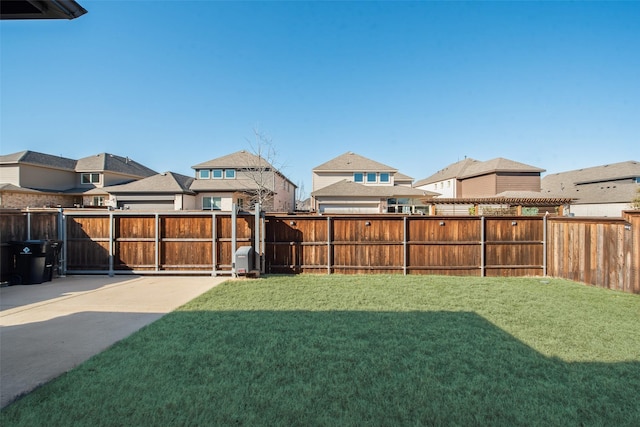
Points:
[[41, 9]]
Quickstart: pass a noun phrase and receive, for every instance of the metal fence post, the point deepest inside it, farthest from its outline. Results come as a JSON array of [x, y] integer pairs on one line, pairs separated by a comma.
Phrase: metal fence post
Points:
[[404, 246], [257, 238], [544, 245], [157, 242], [329, 245], [214, 244], [483, 246], [234, 239], [111, 244], [62, 236]]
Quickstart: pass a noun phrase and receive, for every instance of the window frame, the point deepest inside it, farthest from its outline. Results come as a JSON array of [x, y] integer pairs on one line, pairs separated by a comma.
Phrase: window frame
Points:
[[371, 174], [213, 206], [384, 174], [90, 176], [202, 172], [358, 177], [228, 172], [216, 172]]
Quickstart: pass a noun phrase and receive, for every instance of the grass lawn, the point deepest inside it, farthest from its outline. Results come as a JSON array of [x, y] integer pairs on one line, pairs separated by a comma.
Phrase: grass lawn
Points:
[[365, 350]]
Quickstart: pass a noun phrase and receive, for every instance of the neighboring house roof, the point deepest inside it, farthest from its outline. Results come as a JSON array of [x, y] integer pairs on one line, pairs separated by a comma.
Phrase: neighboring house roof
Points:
[[239, 159], [168, 182], [497, 165], [38, 159], [454, 170], [612, 183], [400, 177], [41, 9], [106, 162], [347, 188], [103, 162], [469, 168], [16, 189], [352, 162]]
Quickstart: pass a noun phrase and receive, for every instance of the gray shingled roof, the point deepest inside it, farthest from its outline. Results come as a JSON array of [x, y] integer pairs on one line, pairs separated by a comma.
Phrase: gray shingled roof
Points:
[[168, 182], [15, 188], [239, 159], [347, 188], [400, 177], [39, 159], [497, 165], [612, 183], [106, 162], [469, 168], [353, 162], [454, 170]]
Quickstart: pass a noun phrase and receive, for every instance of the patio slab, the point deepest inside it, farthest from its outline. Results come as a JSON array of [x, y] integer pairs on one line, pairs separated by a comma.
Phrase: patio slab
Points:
[[48, 329]]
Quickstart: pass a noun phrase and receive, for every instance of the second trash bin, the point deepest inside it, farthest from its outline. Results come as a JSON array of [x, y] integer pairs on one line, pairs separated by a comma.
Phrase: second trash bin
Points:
[[30, 263]]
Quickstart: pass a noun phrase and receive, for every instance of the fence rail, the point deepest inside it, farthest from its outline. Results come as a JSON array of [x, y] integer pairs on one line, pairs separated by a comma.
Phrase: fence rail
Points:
[[600, 251]]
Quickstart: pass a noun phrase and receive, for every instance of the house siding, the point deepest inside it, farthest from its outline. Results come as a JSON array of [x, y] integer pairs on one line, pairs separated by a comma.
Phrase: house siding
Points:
[[45, 178], [517, 182], [10, 175], [324, 179], [479, 186], [602, 209]]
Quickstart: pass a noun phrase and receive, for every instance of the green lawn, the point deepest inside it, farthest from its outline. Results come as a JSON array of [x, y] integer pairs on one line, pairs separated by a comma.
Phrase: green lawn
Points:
[[365, 350]]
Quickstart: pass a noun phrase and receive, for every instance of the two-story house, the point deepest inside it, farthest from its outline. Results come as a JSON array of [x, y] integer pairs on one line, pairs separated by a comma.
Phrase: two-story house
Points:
[[32, 179], [471, 178], [351, 183], [244, 179]]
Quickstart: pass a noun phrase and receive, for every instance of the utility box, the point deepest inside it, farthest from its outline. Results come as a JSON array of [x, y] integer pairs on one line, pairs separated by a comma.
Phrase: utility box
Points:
[[244, 260]]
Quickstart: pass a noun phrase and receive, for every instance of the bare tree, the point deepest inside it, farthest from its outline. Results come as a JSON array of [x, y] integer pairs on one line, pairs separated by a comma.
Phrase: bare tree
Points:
[[635, 203], [261, 170], [301, 197]]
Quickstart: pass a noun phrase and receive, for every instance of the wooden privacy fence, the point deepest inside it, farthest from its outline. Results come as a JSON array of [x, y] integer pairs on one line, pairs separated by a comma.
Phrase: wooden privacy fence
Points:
[[124, 242], [600, 251], [474, 246], [196, 243]]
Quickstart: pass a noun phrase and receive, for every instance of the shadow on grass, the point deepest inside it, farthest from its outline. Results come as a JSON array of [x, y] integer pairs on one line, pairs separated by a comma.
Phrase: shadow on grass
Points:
[[331, 368]]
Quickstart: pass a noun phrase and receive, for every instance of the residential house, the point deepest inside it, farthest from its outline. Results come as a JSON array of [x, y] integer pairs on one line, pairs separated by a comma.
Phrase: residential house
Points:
[[604, 190], [471, 178], [32, 179], [164, 191], [242, 178], [351, 183]]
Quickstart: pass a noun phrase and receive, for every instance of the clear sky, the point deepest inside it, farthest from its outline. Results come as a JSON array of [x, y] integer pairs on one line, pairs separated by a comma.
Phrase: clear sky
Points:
[[414, 85]]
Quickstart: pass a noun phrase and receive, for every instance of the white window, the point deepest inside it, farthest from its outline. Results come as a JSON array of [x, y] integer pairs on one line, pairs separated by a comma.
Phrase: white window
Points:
[[97, 201], [384, 177], [216, 173], [358, 177], [211, 203], [204, 174], [90, 178], [371, 177], [229, 173]]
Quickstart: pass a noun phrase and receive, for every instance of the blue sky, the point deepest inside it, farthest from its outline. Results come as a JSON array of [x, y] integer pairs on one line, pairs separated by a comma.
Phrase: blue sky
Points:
[[414, 85]]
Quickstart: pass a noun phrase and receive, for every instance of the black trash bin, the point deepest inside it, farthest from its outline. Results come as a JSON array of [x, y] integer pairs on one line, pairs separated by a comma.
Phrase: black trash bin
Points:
[[30, 262]]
